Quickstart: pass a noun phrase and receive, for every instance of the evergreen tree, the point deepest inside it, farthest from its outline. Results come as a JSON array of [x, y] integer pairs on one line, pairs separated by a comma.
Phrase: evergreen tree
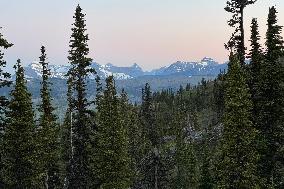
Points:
[[112, 158], [237, 41], [136, 144], [153, 168], [48, 130], [239, 156], [147, 116], [256, 57], [20, 161], [207, 176], [188, 87], [186, 163], [218, 97], [99, 90], [271, 105], [130, 121], [149, 135], [274, 40], [66, 148], [4, 81], [255, 69], [81, 126]]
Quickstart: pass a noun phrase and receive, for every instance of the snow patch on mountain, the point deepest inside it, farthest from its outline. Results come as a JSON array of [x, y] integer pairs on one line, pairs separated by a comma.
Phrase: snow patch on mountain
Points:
[[207, 66], [56, 71]]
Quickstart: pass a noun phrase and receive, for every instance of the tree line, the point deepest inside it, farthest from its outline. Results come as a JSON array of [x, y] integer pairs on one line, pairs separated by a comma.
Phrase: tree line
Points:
[[226, 133]]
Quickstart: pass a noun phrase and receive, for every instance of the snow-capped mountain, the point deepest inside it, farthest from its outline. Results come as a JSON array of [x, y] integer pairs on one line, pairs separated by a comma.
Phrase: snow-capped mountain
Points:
[[34, 70], [207, 66], [119, 73]]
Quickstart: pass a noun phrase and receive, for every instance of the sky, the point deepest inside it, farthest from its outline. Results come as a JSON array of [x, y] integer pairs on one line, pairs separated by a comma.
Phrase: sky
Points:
[[151, 33]]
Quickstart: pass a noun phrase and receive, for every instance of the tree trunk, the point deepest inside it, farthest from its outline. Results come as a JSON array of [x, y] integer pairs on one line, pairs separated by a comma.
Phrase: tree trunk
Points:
[[156, 176], [46, 181]]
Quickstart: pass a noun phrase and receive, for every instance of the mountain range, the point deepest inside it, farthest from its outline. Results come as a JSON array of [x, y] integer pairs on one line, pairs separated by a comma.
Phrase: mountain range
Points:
[[132, 79], [205, 67]]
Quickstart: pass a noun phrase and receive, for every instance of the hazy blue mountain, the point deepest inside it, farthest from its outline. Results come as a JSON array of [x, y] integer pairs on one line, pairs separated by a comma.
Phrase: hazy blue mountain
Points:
[[132, 79], [205, 67]]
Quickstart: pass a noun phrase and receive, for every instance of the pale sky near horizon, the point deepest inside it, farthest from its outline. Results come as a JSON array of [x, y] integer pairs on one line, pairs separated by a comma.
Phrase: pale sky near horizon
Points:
[[151, 33]]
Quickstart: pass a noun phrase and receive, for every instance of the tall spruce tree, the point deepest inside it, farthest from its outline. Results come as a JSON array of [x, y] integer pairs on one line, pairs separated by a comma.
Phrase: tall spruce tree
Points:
[[206, 174], [20, 160], [4, 78], [256, 66], [271, 105], [218, 96], [4, 81], [48, 130], [136, 144], [66, 142], [185, 158], [150, 139], [112, 158], [237, 41], [81, 126], [257, 59], [153, 169], [239, 156]]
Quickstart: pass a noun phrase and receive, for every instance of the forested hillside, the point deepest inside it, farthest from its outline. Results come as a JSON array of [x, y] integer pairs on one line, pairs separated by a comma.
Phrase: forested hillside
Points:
[[227, 132]]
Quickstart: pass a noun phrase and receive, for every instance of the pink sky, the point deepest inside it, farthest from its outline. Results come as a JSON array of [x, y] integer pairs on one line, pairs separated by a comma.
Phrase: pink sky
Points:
[[151, 33]]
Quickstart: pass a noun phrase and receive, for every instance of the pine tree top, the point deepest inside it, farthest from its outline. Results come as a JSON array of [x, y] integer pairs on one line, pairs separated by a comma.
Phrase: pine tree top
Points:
[[236, 42], [274, 40], [21, 98], [4, 43], [80, 63], [234, 5], [20, 77], [78, 42], [254, 39], [4, 76], [46, 107]]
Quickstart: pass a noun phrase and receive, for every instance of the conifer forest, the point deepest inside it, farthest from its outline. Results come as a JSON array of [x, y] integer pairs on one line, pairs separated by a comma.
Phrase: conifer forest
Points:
[[222, 133]]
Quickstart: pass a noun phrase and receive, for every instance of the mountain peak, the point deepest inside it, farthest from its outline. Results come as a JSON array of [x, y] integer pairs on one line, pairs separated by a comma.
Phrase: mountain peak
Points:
[[136, 66], [109, 65], [207, 66], [209, 60]]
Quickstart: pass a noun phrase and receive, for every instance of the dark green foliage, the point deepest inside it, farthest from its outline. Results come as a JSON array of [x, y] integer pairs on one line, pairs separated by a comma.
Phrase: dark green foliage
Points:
[[20, 161], [237, 41], [81, 123], [206, 170], [136, 145], [256, 63], [4, 77], [4, 81], [112, 162], [274, 40], [78, 60], [270, 106], [66, 143], [47, 131], [4, 44], [226, 133], [218, 96], [239, 156], [151, 165], [147, 116], [185, 157]]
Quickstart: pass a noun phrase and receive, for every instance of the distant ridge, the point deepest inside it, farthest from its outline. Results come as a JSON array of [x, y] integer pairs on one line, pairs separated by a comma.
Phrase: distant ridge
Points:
[[207, 66]]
